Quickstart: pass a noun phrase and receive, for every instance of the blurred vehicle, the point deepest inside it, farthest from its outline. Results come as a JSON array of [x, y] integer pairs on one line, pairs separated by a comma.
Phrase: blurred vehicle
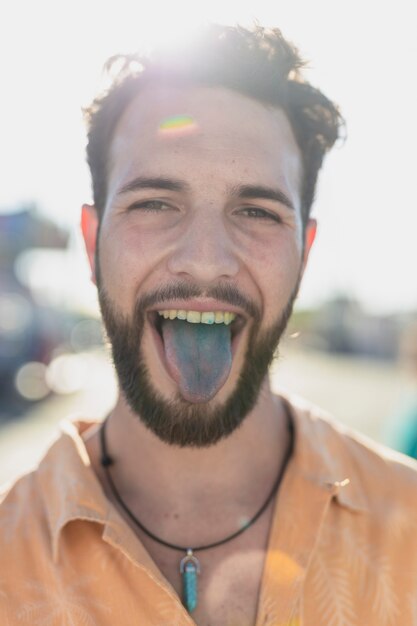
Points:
[[28, 334], [29, 331], [32, 339]]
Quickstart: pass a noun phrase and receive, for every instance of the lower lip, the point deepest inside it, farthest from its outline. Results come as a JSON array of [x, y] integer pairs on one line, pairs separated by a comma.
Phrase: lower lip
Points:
[[161, 351]]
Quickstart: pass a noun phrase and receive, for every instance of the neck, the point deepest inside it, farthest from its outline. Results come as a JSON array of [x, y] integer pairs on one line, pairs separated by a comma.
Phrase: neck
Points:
[[234, 476], [249, 457]]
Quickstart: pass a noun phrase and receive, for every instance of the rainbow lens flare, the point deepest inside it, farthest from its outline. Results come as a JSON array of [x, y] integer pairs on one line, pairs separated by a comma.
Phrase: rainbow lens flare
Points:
[[177, 124]]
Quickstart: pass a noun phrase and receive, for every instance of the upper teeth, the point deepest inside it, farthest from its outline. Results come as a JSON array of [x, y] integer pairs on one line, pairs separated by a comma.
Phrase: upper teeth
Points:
[[195, 317]]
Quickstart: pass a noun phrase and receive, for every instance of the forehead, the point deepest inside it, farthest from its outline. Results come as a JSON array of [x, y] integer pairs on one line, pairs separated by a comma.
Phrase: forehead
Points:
[[213, 132]]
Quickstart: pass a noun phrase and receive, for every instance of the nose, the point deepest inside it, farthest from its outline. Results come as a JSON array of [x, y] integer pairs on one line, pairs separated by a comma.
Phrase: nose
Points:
[[205, 252]]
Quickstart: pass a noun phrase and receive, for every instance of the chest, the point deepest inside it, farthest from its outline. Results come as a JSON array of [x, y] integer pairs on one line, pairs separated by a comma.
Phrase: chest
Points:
[[229, 581]]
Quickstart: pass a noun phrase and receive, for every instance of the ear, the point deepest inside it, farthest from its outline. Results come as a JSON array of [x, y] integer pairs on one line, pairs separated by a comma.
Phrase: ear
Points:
[[89, 228], [309, 237]]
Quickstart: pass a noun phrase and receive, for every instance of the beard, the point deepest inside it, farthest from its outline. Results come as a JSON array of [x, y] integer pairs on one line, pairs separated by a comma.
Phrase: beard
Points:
[[178, 421]]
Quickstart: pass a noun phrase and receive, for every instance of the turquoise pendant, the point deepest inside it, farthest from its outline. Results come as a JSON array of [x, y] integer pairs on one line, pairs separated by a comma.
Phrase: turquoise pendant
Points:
[[189, 568]]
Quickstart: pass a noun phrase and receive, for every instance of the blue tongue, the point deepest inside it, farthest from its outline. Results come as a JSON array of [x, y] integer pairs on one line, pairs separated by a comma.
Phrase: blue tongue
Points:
[[199, 357]]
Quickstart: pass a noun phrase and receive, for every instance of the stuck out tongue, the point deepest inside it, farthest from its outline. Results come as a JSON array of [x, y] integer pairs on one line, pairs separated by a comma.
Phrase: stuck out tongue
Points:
[[199, 357]]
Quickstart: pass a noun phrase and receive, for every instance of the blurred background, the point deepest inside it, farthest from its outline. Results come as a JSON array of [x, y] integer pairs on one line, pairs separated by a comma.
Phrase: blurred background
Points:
[[352, 343]]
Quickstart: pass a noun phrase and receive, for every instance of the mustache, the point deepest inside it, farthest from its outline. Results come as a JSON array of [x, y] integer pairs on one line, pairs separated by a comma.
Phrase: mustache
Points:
[[229, 294]]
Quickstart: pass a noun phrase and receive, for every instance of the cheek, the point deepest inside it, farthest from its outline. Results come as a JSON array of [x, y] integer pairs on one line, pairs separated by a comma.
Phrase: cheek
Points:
[[127, 256], [275, 269], [279, 256]]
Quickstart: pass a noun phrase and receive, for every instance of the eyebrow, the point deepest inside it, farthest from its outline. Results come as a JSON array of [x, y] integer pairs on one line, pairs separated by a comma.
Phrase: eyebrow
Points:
[[241, 191], [267, 193], [169, 184]]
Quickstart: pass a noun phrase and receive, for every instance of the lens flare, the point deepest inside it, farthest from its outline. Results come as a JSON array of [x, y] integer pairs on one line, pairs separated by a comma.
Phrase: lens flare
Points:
[[177, 125]]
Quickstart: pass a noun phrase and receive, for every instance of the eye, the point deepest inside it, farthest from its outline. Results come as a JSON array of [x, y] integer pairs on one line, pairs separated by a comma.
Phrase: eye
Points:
[[262, 214], [151, 206]]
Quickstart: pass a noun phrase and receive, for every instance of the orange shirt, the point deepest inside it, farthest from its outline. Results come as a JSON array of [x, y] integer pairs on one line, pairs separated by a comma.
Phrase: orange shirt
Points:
[[342, 547]]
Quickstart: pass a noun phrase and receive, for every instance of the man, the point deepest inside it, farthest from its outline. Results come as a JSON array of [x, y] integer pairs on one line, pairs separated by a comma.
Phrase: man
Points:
[[203, 498]]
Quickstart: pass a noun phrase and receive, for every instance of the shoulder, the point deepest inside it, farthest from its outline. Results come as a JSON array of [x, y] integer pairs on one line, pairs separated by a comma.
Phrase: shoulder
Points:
[[25, 543], [377, 474], [21, 508], [39, 505], [364, 564]]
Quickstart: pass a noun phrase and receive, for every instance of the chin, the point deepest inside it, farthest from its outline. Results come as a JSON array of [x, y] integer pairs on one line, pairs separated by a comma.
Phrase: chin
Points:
[[178, 421]]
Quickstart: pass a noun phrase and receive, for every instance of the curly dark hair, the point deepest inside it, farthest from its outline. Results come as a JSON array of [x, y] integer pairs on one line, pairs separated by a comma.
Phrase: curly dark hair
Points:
[[258, 63]]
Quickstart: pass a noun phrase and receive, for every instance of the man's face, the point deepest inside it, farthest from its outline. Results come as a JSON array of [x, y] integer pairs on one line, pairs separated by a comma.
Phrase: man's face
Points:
[[203, 216]]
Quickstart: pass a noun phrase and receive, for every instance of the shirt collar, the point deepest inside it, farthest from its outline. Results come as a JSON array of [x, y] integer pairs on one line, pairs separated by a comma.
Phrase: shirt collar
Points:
[[71, 490], [323, 453]]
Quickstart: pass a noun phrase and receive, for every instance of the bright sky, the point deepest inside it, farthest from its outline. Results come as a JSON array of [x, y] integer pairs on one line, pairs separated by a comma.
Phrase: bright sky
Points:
[[362, 55]]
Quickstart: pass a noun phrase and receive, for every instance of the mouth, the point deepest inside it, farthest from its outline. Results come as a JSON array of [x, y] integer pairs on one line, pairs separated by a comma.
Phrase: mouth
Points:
[[197, 348], [236, 321]]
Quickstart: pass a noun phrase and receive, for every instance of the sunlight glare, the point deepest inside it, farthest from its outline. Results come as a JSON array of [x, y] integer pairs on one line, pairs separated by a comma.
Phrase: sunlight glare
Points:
[[163, 28]]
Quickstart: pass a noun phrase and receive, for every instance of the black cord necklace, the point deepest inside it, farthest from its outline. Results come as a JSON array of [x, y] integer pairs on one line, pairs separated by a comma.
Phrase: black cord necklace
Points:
[[189, 564]]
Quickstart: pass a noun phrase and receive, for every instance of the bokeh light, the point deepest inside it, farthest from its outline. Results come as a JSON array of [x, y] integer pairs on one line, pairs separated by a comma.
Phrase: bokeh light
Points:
[[31, 381]]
